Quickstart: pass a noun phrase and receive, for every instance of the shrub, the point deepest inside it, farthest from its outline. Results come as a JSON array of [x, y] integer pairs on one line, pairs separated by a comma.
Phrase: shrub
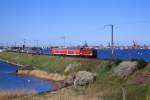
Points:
[[141, 63], [117, 61], [108, 66]]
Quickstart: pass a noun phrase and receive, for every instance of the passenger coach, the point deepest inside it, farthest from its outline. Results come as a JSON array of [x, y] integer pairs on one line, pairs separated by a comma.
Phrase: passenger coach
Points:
[[81, 52]]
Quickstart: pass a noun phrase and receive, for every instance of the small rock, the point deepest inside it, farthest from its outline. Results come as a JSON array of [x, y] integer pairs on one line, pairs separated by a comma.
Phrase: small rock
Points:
[[125, 69], [70, 79], [83, 78], [71, 67]]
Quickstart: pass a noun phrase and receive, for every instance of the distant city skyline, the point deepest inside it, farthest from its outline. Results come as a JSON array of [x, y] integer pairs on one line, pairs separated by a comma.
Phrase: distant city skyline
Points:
[[45, 22]]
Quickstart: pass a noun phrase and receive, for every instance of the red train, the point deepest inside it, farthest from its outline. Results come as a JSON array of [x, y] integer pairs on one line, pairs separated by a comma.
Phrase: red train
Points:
[[81, 52]]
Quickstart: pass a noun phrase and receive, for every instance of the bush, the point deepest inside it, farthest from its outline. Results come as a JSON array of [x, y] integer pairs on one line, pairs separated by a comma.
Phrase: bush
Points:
[[117, 62], [141, 63], [108, 66]]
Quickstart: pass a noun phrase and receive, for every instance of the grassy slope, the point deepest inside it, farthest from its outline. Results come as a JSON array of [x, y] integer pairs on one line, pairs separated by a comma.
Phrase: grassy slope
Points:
[[106, 85]]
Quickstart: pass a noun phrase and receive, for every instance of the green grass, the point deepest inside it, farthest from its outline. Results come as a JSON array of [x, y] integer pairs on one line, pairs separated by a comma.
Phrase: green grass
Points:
[[105, 83], [50, 63]]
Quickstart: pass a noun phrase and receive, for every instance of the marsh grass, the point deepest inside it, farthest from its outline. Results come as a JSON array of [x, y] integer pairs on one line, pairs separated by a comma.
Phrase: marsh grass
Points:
[[5, 95]]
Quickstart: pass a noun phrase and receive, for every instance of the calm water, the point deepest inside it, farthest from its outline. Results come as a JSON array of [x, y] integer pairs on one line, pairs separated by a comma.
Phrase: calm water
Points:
[[9, 81], [125, 54]]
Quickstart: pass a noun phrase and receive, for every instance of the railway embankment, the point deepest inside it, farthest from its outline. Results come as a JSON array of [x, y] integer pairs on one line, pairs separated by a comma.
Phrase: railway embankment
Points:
[[101, 74]]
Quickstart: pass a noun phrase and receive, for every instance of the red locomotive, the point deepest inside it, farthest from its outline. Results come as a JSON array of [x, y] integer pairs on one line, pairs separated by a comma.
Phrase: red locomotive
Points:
[[82, 52]]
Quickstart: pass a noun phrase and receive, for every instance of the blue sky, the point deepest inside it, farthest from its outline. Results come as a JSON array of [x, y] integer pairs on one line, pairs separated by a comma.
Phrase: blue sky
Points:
[[77, 20]]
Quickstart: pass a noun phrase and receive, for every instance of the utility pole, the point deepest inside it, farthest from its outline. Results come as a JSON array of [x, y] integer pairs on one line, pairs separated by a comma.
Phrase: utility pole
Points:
[[15, 44], [37, 43], [112, 38], [64, 40], [24, 43], [7, 44]]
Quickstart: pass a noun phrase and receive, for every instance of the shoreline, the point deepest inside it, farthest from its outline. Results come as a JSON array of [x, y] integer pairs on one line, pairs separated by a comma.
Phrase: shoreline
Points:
[[56, 79], [16, 64], [36, 73]]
